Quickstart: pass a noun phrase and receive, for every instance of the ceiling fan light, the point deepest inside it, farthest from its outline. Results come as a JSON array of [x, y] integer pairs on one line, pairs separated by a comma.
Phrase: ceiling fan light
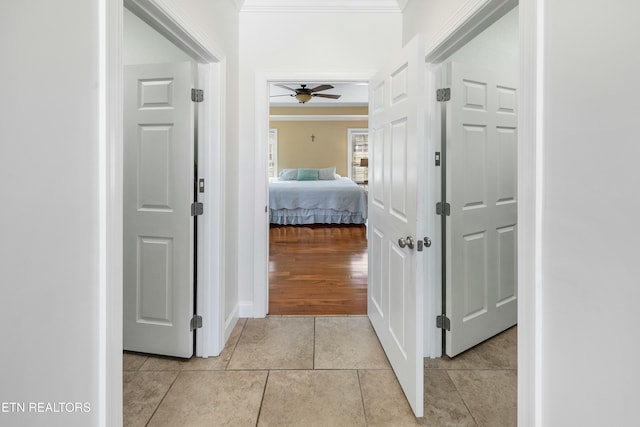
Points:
[[303, 97]]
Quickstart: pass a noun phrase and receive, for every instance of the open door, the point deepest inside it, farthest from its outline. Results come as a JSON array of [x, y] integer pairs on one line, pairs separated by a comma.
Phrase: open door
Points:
[[158, 192], [397, 102], [481, 232]]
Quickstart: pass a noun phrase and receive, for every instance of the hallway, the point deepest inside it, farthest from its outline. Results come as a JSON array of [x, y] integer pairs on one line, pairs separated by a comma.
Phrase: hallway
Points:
[[317, 371]]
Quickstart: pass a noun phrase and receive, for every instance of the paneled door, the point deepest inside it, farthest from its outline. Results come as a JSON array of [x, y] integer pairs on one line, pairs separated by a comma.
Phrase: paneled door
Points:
[[396, 143], [481, 156], [158, 191]]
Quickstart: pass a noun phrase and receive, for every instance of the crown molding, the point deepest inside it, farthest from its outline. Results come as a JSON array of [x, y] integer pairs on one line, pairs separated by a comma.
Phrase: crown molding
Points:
[[402, 4], [320, 5], [318, 118]]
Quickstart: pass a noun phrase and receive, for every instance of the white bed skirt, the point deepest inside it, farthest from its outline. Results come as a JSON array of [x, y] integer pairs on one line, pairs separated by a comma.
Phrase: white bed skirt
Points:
[[314, 216]]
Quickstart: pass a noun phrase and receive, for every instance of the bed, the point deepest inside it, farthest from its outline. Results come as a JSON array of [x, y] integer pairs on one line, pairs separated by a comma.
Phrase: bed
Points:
[[333, 199]]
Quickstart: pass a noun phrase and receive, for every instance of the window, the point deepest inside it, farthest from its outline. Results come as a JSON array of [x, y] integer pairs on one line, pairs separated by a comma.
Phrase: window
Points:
[[358, 155], [273, 153]]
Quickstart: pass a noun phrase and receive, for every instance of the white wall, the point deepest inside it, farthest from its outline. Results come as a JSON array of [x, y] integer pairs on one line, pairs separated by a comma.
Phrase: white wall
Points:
[[496, 47], [144, 45], [591, 283], [427, 17], [50, 264], [49, 261], [298, 42]]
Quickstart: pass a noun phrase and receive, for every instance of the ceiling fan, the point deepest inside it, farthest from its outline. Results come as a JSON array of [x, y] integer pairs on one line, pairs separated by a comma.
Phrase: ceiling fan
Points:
[[303, 95]]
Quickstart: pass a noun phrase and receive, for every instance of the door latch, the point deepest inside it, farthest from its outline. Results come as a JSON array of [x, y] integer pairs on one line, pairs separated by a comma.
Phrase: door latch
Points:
[[424, 243]]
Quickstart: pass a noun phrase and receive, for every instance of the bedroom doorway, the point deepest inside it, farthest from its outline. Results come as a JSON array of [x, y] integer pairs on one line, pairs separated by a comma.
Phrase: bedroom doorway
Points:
[[318, 262]]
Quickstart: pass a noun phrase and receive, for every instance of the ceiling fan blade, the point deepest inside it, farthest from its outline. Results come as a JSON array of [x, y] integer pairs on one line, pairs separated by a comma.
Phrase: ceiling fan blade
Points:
[[326, 95], [320, 88], [284, 87], [275, 96]]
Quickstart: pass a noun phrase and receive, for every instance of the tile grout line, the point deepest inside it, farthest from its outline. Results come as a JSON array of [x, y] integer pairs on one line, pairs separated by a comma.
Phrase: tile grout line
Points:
[[163, 397], [264, 393], [462, 398], [313, 358], [226, 366], [364, 408]]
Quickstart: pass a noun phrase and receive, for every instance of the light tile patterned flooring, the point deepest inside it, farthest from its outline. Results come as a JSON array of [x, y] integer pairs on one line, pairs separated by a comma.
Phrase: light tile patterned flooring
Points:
[[317, 371]]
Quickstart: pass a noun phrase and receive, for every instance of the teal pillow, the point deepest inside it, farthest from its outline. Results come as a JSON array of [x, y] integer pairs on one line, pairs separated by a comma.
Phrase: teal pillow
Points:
[[307, 174]]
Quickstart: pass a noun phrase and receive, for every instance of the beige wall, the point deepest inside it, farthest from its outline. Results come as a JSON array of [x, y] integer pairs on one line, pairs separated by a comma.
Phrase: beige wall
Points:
[[329, 146]]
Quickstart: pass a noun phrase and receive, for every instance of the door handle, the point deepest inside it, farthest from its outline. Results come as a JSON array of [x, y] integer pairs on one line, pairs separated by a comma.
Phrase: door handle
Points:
[[410, 242], [406, 242]]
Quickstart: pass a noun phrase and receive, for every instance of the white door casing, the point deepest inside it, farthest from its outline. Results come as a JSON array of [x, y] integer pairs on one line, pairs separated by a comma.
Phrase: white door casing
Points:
[[397, 101], [481, 168], [157, 223]]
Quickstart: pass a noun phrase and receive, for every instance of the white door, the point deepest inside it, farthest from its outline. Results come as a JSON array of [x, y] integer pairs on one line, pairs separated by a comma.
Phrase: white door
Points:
[[481, 150], [158, 191], [396, 143]]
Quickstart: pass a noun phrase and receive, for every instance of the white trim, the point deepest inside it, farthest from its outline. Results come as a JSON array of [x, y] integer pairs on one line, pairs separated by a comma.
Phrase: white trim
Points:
[[274, 131], [333, 6], [110, 226], [261, 220], [231, 321], [211, 236], [530, 202], [433, 267], [319, 118], [470, 20], [350, 132], [245, 309]]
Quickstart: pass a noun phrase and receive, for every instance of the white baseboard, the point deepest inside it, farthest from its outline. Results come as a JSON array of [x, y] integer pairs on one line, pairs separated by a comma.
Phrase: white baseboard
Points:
[[230, 322], [245, 309]]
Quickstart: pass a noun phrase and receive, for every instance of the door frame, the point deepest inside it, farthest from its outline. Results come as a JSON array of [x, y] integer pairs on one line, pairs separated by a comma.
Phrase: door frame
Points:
[[260, 305], [471, 19], [211, 78]]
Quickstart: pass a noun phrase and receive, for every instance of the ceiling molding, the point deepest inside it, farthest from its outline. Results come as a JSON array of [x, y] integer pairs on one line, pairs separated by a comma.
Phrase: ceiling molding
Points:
[[318, 118], [320, 5], [402, 4]]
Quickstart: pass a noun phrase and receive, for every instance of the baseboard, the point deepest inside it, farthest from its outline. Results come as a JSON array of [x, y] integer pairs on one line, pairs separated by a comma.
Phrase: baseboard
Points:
[[245, 309], [230, 322]]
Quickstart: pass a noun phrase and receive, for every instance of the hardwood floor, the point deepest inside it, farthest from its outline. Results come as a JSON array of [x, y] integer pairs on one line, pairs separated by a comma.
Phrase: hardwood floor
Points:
[[318, 269]]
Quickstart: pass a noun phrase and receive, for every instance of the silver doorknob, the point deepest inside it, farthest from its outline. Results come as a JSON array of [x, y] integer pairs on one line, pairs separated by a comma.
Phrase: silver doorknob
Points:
[[402, 242], [410, 242]]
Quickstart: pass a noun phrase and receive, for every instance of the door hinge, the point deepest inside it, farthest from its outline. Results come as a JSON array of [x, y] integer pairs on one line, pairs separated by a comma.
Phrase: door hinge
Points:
[[196, 322], [197, 95], [443, 95], [197, 208], [443, 322], [443, 207]]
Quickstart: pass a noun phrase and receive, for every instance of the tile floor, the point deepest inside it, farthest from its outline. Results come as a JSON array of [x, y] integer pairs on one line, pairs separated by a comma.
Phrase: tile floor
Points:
[[317, 371]]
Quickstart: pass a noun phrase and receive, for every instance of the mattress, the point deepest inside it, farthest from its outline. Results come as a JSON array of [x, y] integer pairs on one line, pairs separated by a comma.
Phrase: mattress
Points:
[[339, 201]]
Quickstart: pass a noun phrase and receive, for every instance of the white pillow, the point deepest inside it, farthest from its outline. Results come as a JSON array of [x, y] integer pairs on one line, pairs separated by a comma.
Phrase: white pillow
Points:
[[327, 173], [288, 175]]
